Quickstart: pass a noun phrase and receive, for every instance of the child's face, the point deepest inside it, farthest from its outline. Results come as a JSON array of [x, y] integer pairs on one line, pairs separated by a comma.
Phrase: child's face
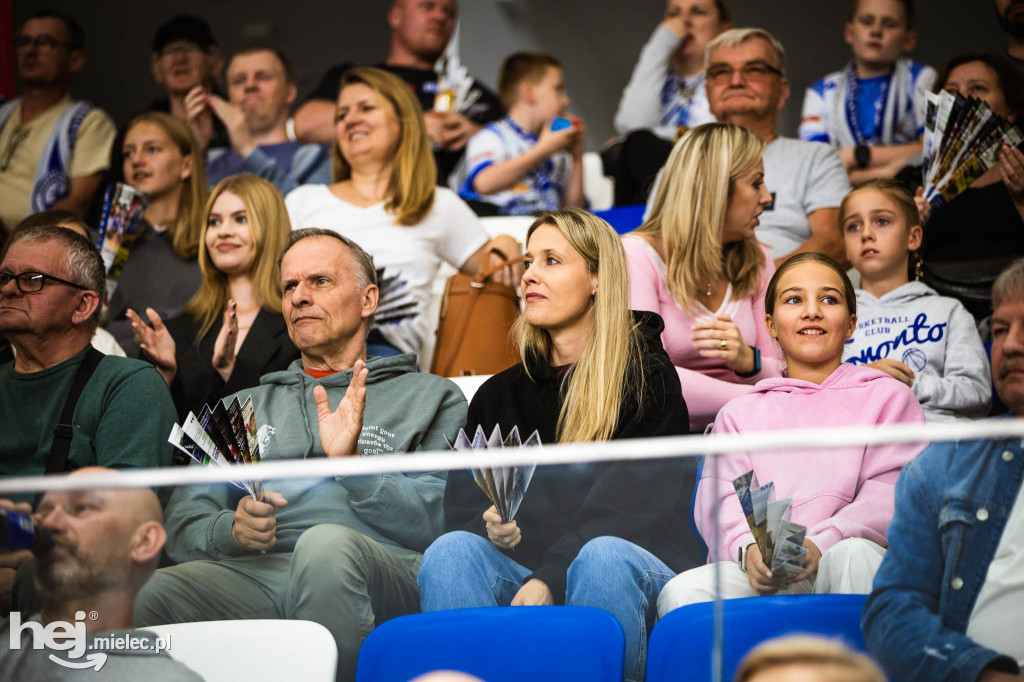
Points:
[[878, 239], [700, 19], [878, 32], [549, 96], [812, 319]]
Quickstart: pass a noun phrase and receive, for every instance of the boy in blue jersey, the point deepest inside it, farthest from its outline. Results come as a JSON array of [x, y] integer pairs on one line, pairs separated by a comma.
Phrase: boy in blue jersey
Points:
[[522, 164], [872, 110]]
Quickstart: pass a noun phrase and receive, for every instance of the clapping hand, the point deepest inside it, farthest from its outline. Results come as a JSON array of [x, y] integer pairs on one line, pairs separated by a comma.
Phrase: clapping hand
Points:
[[227, 339], [155, 342], [200, 120], [339, 429]]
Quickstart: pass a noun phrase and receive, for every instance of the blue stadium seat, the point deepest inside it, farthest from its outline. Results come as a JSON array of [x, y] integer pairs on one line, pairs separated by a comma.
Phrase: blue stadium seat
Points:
[[681, 645], [498, 644], [623, 218]]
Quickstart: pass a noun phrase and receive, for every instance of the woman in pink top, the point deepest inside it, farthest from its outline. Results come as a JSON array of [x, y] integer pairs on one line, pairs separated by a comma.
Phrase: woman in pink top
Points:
[[697, 263], [844, 495]]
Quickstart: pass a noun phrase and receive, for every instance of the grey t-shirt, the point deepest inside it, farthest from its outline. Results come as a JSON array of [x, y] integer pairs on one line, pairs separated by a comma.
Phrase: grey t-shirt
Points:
[[111, 650], [802, 177]]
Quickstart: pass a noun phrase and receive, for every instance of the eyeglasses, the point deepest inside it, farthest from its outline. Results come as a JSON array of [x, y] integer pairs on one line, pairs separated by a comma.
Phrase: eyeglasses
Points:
[[178, 48], [31, 282], [751, 72], [17, 137], [43, 42]]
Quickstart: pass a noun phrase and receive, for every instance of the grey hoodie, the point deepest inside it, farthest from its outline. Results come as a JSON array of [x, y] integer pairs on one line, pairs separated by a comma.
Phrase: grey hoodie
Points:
[[405, 411], [936, 337]]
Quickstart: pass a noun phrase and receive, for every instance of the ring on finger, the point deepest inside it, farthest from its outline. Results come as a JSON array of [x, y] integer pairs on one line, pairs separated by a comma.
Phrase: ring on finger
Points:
[[722, 345]]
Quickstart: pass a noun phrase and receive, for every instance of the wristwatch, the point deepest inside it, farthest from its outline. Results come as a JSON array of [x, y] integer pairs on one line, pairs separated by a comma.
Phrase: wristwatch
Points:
[[862, 155], [743, 556]]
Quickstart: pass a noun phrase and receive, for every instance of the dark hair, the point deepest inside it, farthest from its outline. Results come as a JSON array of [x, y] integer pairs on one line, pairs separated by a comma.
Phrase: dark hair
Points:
[[908, 11], [52, 216], [286, 64], [76, 36], [83, 263], [799, 259], [519, 67], [1010, 81], [184, 27]]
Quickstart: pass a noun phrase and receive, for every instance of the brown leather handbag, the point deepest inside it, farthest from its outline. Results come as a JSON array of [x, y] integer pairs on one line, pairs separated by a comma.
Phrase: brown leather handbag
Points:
[[474, 329]]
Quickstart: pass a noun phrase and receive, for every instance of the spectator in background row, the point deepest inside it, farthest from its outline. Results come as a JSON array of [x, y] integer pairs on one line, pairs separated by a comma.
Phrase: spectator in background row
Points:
[[420, 33], [606, 535], [521, 164], [873, 110], [697, 263], [102, 340], [231, 333], [385, 198], [948, 599], [162, 158], [1010, 14], [261, 91], [341, 551], [54, 149], [843, 496], [747, 85], [665, 95], [979, 232]]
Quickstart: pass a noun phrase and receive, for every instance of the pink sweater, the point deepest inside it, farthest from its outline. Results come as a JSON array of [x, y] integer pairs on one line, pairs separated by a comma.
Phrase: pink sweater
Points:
[[707, 383], [837, 493]]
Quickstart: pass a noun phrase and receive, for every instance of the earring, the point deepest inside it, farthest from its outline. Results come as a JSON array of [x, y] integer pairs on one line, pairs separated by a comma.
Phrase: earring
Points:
[[918, 267]]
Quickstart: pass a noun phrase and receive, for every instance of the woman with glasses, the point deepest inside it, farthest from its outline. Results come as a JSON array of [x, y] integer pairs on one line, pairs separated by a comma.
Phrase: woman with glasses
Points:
[[697, 262], [231, 333], [161, 157]]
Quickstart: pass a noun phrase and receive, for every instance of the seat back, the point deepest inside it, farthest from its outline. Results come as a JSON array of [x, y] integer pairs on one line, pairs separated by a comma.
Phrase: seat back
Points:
[[497, 644], [227, 650], [681, 644]]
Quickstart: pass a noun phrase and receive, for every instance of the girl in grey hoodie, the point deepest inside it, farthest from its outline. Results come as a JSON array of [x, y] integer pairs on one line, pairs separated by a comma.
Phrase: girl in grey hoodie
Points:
[[904, 328]]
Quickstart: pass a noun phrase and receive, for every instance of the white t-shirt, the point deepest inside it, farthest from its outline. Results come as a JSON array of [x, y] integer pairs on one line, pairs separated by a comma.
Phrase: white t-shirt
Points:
[[407, 258], [542, 188], [998, 616]]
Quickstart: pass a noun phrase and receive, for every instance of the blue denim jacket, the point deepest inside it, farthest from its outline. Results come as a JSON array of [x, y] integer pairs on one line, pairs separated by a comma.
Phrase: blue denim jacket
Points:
[[952, 503]]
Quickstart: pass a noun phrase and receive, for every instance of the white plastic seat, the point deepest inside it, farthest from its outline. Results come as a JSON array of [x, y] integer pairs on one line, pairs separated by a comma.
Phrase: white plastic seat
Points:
[[229, 650]]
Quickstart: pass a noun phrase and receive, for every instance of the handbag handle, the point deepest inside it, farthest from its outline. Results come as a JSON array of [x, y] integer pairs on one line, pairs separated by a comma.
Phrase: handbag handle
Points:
[[484, 273]]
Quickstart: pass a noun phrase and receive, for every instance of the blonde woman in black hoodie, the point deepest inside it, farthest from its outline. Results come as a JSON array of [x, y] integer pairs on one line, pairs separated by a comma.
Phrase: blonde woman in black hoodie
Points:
[[606, 535]]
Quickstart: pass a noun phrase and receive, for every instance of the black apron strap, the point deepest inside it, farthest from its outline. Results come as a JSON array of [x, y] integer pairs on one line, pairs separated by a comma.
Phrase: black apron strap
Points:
[[62, 433]]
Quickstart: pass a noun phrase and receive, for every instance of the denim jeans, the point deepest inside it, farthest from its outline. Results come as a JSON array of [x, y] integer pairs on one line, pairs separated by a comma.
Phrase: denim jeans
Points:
[[462, 570]]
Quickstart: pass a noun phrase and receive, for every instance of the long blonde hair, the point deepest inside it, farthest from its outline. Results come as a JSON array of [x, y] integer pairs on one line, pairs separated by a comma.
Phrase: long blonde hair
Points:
[[414, 176], [268, 221], [690, 207], [611, 362], [186, 230]]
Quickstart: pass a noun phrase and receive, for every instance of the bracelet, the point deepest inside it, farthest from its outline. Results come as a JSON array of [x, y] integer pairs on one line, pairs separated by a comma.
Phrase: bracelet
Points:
[[757, 364], [743, 564]]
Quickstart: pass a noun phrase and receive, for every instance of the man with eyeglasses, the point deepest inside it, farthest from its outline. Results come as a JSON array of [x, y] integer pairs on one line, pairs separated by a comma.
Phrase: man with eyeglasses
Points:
[[747, 85], [53, 150], [51, 285]]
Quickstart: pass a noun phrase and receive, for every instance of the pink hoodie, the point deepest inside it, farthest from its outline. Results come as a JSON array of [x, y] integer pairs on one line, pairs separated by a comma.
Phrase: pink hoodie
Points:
[[837, 493]]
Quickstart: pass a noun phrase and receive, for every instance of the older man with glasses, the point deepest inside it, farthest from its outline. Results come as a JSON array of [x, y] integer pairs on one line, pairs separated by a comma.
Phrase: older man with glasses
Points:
[[53, 150], [747, 85]]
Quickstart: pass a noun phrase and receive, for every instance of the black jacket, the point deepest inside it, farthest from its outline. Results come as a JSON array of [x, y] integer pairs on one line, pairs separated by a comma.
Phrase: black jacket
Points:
[[646, 503], [266, 348]]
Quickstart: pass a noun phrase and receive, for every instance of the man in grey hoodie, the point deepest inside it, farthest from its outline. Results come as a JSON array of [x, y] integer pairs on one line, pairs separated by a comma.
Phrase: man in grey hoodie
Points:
[[344, 552]]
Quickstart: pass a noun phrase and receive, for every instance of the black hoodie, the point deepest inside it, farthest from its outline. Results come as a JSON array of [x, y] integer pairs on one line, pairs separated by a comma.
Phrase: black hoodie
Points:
[[646, 503]]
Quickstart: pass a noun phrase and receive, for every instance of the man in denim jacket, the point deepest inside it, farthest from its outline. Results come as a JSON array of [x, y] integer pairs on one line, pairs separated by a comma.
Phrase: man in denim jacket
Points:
[[948, 599]]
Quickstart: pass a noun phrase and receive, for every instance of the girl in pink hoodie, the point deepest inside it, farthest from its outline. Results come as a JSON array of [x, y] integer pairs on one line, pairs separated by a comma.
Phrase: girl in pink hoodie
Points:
[[844, 496]]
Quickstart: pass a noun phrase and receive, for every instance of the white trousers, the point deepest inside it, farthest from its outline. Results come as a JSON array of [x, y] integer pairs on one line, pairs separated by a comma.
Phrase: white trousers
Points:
[[847, 568]]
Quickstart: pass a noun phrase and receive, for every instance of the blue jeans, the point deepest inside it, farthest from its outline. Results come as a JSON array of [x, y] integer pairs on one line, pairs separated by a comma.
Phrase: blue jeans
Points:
[[461, 570]]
